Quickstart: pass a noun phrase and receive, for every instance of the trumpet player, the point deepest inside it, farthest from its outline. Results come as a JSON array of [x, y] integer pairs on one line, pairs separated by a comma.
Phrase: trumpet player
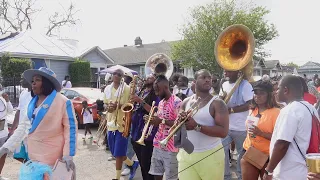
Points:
[[144, 153], [204, 130], [116, 94], [164, 159]]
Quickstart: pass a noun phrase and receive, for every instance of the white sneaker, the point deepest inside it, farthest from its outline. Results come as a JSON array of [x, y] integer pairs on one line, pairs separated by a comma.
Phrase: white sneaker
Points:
[[111, 158], [125, 172], [84, 137]]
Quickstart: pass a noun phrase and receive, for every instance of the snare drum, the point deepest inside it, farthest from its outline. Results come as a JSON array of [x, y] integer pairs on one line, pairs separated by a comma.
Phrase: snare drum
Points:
[[313, 162]]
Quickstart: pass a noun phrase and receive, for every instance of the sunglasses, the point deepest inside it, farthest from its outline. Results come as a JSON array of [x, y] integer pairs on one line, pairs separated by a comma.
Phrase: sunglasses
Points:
[[117, 74], [215, 80]]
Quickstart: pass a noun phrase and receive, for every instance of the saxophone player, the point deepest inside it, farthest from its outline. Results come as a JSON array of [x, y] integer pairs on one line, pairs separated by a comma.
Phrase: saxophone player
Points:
[[144, 153], [116, 94]]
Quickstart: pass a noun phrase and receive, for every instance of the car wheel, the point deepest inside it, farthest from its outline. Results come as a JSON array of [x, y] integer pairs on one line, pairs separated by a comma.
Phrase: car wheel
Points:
[[80, 126]]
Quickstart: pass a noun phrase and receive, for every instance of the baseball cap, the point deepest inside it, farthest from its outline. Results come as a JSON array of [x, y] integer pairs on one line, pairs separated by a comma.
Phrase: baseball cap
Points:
[[263, 85]]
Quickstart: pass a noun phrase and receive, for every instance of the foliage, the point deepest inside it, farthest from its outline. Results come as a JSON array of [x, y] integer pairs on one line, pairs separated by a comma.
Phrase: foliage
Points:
[[80, 73], [13, 67], [207, 22], [292, 65]]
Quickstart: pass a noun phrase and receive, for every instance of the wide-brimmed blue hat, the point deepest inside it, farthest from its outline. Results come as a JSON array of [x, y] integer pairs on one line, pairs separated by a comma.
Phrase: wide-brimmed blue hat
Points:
[[45, 72]]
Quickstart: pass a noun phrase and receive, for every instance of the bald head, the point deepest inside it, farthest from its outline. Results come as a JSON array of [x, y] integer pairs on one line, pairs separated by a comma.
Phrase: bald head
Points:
[[290, 89]]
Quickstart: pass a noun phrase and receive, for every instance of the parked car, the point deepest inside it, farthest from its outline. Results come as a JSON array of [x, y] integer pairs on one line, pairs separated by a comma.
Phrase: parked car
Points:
[[77, 95]]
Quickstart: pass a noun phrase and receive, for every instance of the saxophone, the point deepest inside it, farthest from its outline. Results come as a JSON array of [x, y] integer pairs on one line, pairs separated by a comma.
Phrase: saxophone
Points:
[[127, 109]]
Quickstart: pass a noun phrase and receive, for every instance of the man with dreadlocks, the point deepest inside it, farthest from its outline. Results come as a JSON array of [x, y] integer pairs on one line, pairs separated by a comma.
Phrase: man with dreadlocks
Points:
[[144, 101]]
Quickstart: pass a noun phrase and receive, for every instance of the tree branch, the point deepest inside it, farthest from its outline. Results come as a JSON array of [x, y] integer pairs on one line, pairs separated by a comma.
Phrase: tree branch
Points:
[[58, 20]]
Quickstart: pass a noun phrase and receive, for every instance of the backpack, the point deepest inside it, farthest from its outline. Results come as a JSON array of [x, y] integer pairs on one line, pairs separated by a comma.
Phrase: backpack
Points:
[[315, 135]]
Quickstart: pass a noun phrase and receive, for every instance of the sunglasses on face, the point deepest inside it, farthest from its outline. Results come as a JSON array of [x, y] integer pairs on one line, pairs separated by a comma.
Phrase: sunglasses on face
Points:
[[117, 74], [215, 80]]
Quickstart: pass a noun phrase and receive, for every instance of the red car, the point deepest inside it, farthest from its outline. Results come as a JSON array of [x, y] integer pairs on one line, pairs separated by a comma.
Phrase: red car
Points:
[[79, 94]]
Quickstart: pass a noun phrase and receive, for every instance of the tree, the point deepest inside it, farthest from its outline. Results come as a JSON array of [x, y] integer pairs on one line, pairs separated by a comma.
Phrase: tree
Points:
[[17, 15], [208, 21], [293, 65]]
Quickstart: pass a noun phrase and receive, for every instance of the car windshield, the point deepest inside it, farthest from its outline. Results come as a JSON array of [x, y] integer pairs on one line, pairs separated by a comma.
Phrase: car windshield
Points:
[[91, 93]]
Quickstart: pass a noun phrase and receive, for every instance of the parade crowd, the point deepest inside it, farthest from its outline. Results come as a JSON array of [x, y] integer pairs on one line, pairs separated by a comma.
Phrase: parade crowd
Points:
[[177, 130]]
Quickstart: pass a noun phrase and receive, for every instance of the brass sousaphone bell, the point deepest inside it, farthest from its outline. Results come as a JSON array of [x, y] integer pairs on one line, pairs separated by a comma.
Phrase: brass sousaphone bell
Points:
[[159, 63], [234, 51]]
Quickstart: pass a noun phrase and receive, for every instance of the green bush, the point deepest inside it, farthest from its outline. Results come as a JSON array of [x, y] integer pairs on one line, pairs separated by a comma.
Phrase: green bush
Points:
[[13, 68], [80, 73]]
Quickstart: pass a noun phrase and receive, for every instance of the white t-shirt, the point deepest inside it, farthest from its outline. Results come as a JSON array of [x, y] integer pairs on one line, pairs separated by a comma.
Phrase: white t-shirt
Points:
[[87, 117], [293, 122], [68, 84], [237, 120], [188, 92], [24, 100], [5, 108]]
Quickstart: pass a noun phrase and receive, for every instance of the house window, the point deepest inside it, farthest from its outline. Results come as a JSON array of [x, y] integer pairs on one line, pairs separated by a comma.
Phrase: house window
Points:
[[141, 71]]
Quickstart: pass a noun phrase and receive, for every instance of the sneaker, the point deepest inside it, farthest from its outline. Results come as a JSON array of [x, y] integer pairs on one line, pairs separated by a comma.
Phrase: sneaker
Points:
[[125, 172], [91, 137], [111, 158], [84, 137], [133, 169]]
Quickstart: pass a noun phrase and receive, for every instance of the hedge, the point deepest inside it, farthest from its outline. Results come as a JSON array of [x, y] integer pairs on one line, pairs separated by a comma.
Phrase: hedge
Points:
[[80, 73], [13, 67]]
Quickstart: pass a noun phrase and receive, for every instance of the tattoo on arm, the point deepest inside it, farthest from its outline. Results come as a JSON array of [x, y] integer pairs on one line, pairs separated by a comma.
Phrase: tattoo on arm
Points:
[[221, 107]]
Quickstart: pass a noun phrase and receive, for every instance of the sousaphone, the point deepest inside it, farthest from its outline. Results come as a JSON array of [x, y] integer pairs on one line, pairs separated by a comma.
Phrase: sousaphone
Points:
[[234, 51], [159, 63]]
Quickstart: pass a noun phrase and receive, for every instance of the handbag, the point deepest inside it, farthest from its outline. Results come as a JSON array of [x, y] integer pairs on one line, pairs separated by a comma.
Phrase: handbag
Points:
[[60, 171], [255, 157]]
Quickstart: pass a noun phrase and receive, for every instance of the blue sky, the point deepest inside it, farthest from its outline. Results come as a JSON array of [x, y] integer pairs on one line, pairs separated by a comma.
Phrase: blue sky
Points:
[[113, 23]]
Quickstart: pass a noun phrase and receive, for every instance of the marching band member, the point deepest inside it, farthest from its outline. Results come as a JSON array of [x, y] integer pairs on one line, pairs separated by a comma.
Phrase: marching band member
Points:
[[238, 107], [144, 153], [183, 91], [116, 94], [205, 130], [164, 159]]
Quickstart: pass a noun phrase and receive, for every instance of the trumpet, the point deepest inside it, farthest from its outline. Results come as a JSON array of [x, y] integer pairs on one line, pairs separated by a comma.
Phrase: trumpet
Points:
[[191, 112], [146, 129]]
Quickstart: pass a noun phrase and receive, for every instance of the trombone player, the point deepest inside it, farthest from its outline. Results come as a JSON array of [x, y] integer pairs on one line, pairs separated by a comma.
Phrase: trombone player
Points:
[[144, 100], [117, 94], [204, 130]]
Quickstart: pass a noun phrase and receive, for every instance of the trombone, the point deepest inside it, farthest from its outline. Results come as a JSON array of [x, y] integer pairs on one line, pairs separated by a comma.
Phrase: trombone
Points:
[[146, 129], [104, 123], [191, 112]]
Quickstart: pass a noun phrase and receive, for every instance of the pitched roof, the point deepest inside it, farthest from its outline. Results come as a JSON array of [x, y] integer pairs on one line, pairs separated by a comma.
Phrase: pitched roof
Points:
[[99, 50], [131, 55], [310, 65], [270, 64], [31, 44]]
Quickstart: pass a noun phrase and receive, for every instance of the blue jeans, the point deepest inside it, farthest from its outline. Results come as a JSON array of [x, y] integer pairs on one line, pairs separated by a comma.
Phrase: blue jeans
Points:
[[238, 137]]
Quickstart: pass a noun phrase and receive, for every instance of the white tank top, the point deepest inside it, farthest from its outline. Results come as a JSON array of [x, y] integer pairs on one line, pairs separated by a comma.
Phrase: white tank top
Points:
[[203, 117]]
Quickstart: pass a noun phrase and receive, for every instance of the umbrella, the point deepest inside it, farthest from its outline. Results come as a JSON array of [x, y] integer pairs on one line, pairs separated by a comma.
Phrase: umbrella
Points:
[[113, 68]]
